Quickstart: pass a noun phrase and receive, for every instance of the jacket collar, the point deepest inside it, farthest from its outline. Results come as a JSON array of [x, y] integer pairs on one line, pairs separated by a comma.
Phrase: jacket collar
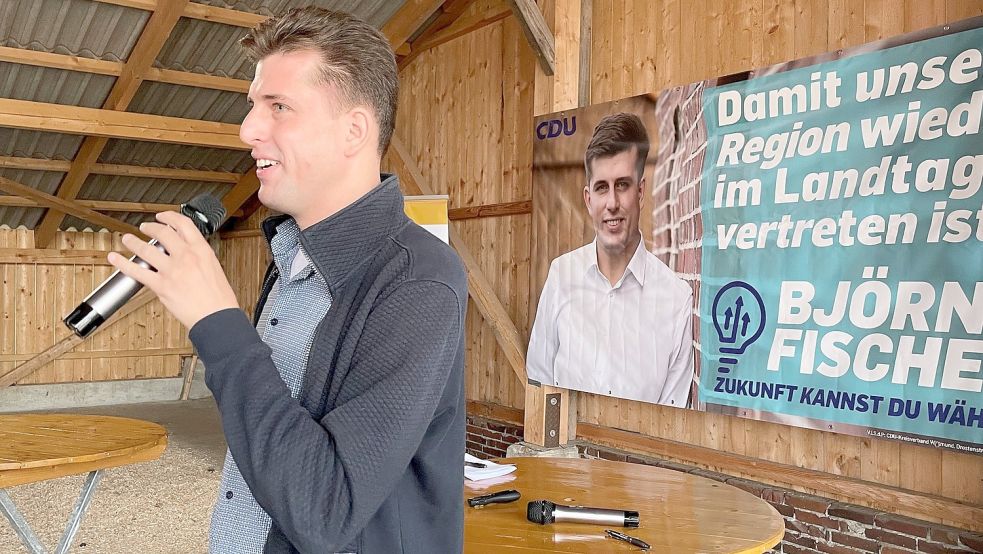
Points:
[[340, 243]]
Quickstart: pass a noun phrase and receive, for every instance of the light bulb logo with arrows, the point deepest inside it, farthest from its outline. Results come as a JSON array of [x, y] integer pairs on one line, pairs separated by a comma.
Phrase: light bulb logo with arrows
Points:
[[738, 319]]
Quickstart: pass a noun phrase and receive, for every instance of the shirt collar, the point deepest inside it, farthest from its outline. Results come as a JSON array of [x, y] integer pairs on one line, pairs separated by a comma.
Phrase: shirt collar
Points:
[[636, 265], [286, 247]]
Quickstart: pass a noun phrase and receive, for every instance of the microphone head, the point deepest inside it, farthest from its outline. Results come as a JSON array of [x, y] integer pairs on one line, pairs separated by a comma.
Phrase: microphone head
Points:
[[206, 211], [540, 511]]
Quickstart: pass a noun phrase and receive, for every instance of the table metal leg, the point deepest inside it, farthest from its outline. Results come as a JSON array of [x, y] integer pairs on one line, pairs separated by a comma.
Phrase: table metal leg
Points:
[[21, 527], [24, 530], [88, 489]]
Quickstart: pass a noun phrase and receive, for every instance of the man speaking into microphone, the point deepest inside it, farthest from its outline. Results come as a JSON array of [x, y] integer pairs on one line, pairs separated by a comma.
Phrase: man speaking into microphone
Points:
[[343, 400]]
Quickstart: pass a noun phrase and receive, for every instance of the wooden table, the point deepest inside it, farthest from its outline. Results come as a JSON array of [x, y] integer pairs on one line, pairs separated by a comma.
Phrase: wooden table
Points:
[[38, 447], [679, 512]]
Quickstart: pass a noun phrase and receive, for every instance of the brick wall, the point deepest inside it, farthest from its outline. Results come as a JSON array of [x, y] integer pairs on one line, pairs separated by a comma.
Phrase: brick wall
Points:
[[812, 524], [488, 438]]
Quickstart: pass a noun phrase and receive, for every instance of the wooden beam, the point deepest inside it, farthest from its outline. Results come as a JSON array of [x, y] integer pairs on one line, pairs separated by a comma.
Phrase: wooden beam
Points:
[[862, 492], [67, 206], [71, 340], [413, 15], [141, 57], [553, 94], [59, 61], [98, 205], [197, 11], [479, 288], [166, 173], [49, 355], [227, 16], [105, 354], [35, 164], [490, 210], [52, 256], [537, 33], [238, 195], [458, 28], [39, 116], [586, 41], [463, 27], [103, 67], [199, 80]]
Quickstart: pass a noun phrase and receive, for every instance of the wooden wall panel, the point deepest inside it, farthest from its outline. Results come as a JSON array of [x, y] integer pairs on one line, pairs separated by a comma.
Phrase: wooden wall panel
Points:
[[35, 296], [465, 114]]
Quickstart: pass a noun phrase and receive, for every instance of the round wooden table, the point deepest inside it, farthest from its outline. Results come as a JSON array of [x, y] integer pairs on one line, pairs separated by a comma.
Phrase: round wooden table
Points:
[[38, 447], [678, 512]]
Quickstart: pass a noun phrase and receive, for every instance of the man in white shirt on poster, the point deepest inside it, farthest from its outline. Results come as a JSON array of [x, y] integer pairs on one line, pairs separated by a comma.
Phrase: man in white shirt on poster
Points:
[[612, 318]]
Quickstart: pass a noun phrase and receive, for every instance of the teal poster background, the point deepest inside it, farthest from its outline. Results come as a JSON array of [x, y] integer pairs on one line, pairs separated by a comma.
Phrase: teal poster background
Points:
[[841, 255]]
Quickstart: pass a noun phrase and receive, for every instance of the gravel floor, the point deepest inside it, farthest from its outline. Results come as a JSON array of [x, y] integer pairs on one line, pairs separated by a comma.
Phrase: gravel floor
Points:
[[160, 506]]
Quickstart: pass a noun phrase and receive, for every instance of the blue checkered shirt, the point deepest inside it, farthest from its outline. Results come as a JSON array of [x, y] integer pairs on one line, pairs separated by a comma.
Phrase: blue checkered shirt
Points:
[[290, 315]]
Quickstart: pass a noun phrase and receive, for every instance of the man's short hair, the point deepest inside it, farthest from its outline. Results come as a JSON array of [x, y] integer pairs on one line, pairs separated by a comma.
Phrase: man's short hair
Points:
[[617, 133], [355, 57]]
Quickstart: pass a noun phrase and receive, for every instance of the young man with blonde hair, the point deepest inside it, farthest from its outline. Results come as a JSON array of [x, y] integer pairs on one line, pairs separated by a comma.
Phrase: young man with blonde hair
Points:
[[344, 407], [612, 318]]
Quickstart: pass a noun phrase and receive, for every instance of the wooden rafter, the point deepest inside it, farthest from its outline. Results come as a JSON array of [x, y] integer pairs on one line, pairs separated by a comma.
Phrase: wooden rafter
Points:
[[479, 287], [451, 25], [537, 32], [240, 193], [36, 164], [67, 206], [408, 20], [102, 67], [98, 205], [39, 116], [197, 11], [154, 35]]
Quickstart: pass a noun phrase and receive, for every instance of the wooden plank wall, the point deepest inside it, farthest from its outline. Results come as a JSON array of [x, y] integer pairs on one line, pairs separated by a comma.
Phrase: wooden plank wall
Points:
[[36, 295], [465, 114]]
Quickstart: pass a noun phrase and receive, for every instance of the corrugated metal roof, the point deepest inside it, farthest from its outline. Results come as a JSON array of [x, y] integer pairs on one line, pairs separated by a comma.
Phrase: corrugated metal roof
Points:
[[141, 189], [55, 86], [189, 102], [76, 27], [38, 144], [44, 181], [152, 154], [16, 217], [213, 48], [376, 12]]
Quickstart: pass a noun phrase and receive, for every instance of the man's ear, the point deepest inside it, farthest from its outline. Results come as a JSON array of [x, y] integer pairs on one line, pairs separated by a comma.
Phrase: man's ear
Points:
[[587, 196], [359, 133], [641, 192]]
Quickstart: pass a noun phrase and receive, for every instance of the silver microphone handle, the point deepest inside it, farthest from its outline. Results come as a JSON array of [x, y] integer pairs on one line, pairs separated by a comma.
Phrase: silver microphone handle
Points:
[[597, 516]]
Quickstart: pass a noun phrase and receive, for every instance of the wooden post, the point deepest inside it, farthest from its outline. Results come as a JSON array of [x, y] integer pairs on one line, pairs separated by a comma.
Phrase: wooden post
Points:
[[550, 413], [189, 375]]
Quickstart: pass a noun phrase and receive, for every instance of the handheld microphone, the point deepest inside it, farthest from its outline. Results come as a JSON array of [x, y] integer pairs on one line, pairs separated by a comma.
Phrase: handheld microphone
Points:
[[204, 210], [544, 511]]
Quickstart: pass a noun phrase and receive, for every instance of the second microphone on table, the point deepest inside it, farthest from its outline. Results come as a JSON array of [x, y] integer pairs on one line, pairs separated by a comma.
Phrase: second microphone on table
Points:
[[544, 511]]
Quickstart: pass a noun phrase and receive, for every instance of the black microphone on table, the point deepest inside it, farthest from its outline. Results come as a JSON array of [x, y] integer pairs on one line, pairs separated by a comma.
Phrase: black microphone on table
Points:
[[204, 210], [544, 511]]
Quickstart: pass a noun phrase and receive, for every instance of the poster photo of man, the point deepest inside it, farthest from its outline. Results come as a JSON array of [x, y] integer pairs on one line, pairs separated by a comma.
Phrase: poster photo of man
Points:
[[612, 317]]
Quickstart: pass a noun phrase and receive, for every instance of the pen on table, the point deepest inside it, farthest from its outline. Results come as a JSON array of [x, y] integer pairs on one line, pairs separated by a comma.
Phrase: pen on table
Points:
[[628, 539], [475, 464]]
